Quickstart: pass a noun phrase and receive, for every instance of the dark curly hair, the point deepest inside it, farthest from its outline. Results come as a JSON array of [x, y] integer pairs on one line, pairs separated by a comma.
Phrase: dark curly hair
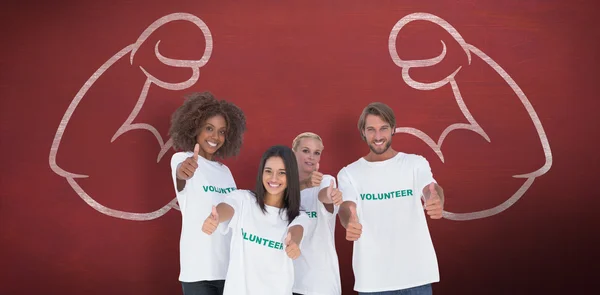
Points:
[[191, 116]]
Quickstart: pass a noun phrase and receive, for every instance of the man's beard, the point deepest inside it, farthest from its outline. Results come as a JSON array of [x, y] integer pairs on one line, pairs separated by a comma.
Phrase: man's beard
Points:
[[388, 143]]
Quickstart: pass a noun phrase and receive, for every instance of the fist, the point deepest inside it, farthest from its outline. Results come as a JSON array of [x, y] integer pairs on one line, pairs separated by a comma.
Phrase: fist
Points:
[[354, 228], [291, 247], [188, 167], [211, 222]]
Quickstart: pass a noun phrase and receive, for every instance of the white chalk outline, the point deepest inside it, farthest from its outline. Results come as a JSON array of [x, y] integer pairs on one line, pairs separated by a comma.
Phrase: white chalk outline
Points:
[[472, 125], [128, 125]]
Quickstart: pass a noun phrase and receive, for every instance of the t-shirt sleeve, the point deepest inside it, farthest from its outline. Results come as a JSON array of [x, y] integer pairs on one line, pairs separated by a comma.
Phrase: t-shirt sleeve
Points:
[[423, 175], [229, 173], [307, 224], [349, 192], [176, 160], [236, 200]]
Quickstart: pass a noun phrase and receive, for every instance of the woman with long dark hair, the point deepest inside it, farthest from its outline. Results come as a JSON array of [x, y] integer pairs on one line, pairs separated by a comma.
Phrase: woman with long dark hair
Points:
[[266, 228]]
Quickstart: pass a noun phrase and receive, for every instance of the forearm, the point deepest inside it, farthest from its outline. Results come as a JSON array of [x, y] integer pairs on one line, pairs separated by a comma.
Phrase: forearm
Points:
[[326, 200], [323, 197], [225, 212], [180, 184], [297, 232], [344, 212]]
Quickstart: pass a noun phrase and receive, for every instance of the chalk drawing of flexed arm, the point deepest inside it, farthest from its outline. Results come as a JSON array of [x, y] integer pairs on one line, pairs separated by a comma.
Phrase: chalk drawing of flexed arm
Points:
[[130, 123], [472, 125]]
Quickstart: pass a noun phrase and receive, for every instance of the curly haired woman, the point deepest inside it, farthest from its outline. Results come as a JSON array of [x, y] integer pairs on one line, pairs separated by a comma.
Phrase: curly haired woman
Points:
[[203, 129]]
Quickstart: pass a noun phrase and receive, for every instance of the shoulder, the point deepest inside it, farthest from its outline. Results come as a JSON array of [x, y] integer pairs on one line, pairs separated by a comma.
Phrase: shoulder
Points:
[[350, 168], [180, 157], [224, 167], [413, 160], [242, 194]]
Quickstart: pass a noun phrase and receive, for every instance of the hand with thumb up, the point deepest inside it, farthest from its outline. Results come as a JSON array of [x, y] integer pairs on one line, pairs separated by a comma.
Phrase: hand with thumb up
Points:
[[334, 194], [354, 228], [433, 202], [291, 247], [211, 222], [314, 178], [188, 167]]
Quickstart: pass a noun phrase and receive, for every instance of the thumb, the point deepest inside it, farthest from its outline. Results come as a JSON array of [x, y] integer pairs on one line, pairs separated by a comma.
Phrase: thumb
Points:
[[353, 216], [288, 239], [432, 188], [196, 151], [317, 167], [214, 214], [330, 188]]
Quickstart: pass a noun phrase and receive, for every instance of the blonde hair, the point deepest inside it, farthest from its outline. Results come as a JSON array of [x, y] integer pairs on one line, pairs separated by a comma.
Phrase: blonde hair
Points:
[[300, 136]]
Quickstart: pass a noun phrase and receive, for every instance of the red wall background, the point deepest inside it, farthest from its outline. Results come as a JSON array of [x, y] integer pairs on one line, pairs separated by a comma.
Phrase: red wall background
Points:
[[296, 66]]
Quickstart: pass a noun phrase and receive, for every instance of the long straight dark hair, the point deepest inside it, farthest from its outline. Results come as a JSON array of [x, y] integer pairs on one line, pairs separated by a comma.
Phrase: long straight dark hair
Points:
[[291, 195]]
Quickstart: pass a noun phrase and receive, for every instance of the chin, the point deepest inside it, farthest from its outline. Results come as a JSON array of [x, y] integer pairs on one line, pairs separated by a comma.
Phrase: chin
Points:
[[275, 192], [213, 150]]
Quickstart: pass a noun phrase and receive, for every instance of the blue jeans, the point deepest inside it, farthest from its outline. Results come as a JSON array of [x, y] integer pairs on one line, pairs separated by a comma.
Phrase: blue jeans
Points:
[[203, 288], [419, 290]]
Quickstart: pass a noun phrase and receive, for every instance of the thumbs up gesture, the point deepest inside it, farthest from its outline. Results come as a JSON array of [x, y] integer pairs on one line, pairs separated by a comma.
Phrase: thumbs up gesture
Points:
[[188, 167], [334, 194], [211, 222], [291, 247], [315, 177], [433, 202], [354, 228]]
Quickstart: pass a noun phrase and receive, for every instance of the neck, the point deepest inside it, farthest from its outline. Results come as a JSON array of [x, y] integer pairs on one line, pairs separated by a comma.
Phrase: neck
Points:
[[205, 155], [274, 200], [303, 176], [373, 157]]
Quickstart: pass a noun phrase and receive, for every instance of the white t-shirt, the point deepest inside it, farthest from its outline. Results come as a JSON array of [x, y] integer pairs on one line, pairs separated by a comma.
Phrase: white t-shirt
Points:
[[259, 264], [395, 250], [202, 257], [317, 270]]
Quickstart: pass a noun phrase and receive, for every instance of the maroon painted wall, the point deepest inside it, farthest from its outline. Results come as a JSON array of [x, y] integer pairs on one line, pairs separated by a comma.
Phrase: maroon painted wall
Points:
[[526, 87]]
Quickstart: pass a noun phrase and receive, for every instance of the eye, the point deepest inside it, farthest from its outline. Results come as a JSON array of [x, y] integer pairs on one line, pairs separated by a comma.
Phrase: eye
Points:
[[318, 153], [281, 172], [222, 132], [267, 171], [208, 128], [305, 151]]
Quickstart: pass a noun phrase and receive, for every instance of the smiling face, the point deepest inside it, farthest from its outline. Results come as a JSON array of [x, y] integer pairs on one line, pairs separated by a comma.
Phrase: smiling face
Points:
[[274, 176], [308, 154], [378, 134], [211, 136]]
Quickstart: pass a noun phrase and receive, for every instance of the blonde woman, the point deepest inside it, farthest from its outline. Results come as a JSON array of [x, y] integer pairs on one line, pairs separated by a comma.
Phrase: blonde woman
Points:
[[316, 270]]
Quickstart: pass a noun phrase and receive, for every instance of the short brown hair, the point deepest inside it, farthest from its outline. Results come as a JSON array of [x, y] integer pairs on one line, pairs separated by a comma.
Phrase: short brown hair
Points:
[[191, 116], [379, 109]]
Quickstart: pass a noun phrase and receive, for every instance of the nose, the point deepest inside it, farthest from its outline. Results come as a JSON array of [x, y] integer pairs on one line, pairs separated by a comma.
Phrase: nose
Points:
[[215, 135], [273, 177]]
